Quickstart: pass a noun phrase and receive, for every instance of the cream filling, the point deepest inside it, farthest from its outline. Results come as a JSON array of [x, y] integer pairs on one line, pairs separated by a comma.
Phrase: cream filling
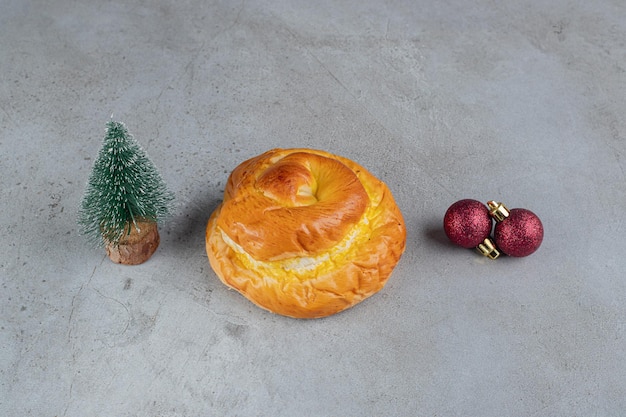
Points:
[[305, 263]]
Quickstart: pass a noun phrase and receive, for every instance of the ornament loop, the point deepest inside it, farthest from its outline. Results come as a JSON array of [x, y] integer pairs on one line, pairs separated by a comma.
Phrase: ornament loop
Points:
[[498, 210], [488, 249]]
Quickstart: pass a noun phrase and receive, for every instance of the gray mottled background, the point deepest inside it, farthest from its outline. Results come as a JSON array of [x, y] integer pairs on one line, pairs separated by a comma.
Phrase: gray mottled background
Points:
[[518, 101]]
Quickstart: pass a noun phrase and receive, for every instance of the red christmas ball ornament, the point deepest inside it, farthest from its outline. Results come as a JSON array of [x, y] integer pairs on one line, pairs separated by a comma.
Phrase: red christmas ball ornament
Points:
[[518, 232], [467, 223]]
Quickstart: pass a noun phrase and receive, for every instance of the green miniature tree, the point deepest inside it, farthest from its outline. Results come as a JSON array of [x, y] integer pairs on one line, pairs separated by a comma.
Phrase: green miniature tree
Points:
[[123, 191]]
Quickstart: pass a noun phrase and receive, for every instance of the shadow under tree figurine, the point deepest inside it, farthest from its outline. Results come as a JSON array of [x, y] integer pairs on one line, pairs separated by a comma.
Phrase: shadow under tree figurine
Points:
[[124, 199]]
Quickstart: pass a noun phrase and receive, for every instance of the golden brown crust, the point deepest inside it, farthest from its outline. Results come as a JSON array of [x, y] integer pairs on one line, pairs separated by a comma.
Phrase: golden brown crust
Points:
[[305, 233]]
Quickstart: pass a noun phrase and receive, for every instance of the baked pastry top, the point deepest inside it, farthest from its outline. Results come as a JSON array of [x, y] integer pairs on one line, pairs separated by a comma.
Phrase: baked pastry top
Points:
[[305, 233]]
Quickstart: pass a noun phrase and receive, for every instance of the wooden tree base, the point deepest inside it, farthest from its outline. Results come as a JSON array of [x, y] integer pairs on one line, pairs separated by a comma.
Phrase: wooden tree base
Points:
[[137, 247]]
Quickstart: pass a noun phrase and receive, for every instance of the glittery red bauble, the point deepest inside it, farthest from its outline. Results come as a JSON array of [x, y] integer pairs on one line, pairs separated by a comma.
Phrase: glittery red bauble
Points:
[[520, 234], [467, 223]]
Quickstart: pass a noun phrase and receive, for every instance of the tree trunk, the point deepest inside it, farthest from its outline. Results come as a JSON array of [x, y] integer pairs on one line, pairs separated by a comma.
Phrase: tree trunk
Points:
[[137, 247]]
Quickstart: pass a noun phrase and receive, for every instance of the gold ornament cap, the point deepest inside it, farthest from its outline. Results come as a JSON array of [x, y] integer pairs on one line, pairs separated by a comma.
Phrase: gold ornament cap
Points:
[[498, 210], [488, 249]]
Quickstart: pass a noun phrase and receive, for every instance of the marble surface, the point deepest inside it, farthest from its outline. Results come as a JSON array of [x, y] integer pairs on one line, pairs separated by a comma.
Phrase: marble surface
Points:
[[518, 101]]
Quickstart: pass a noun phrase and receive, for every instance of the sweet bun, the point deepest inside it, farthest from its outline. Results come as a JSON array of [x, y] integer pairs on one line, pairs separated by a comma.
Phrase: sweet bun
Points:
[[305, 233]]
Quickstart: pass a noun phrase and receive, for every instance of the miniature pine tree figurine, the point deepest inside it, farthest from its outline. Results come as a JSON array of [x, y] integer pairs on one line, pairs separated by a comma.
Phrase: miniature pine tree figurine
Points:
[[124, 199]]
